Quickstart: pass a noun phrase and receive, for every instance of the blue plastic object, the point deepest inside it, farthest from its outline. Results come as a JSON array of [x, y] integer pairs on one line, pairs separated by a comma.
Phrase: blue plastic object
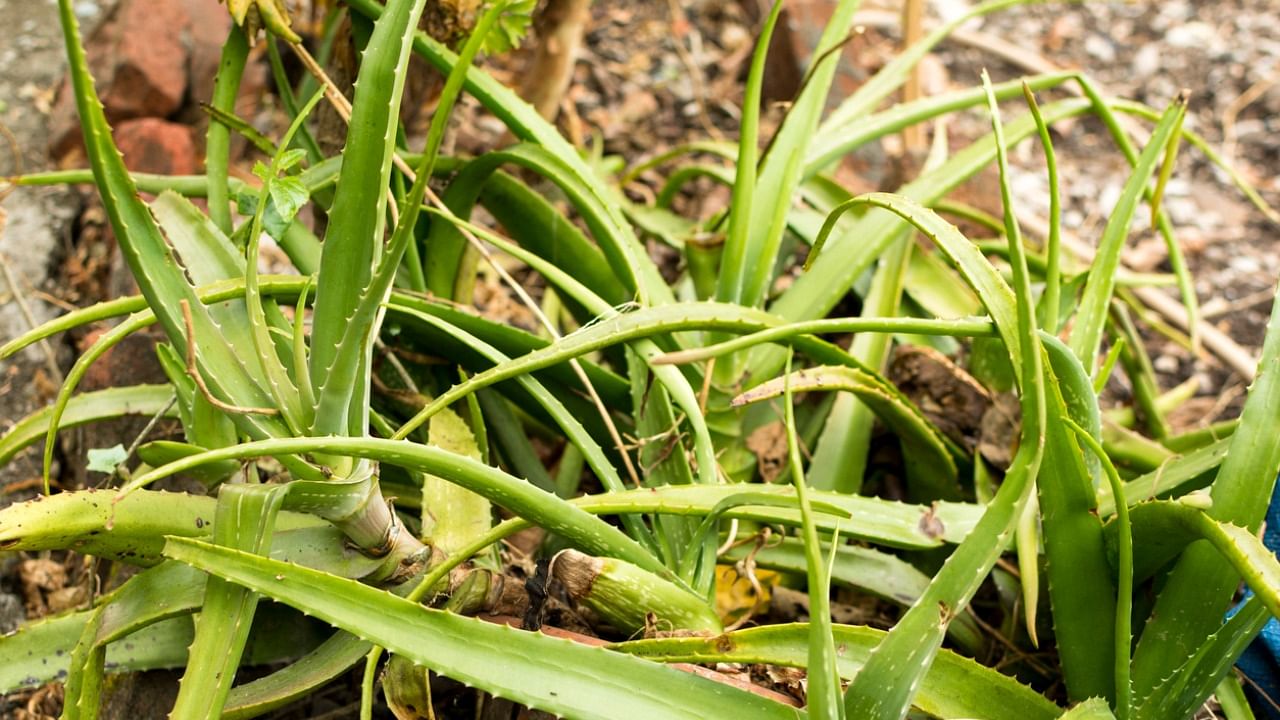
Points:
[[1260, 662]]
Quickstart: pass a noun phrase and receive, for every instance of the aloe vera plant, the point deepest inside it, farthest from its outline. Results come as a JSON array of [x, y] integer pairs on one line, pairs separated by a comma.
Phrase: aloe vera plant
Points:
[[357, 424]]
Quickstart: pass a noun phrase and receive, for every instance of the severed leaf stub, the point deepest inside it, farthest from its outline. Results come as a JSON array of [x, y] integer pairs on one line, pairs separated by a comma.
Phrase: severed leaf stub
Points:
[[254, 15]]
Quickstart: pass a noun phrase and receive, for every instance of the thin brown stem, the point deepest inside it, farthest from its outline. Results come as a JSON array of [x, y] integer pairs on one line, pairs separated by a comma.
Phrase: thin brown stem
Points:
[[194, 372], [912, 32]]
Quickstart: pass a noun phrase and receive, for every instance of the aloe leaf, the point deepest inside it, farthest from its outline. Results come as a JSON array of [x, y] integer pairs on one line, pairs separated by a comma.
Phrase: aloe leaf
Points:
[[1086, 334], [144, 624], [129, 608], [662, 461], [76, 318], [514, 445], [226, 86], [1123, 635], [922, 443], [82, 690], [1028, 371], [1177, 476], [525, 123], [244, 520], [161, 452], [823, 678], [973, 327], [1081, 590], [86, 408], [516, 495], [90, 522], [353, 238], [342, 383], [536, 224], [1198, 439], [884, 688], [297, 679], [539, 672], [452, 516], [1142, 376], [953, 687], [840, 457], [837, 139], [872, 519], [816, 292], [211, 257], [780, 171], [131, 529], [185, 185], [616, 285], [1246, 188], [1162, 529], [985, 280], [1091, 709], [682, 394], [1185, 691], [1051, 301], [936, 288], [1160, 219], [573, 429], [1200, 587], [723, 149], [44, 648], [733, 263], [674, 183], [1230, 695], [1165, 403], [148, 255], [675, 383], [77, 372], [275, 371]]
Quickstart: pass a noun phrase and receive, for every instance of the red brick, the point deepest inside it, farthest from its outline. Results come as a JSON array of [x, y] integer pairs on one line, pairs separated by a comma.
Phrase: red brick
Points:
[[139, 62], [148, 77], [157, 146]]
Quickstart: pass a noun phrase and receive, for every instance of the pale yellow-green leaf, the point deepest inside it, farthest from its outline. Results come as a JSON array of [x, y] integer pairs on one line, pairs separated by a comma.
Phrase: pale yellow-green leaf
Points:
[[452, 516]]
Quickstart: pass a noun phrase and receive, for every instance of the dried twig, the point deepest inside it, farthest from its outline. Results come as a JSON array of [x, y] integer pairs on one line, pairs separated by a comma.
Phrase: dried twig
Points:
[[912, 31], [1232, 113], [194, 372], [122, 470]]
